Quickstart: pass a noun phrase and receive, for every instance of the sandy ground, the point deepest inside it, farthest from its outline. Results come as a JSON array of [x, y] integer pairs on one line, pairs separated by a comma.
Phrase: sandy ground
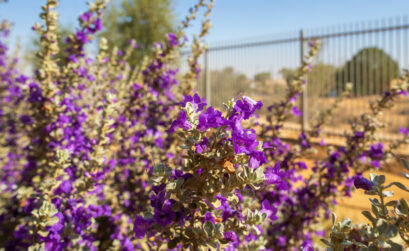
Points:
[[351, 207]]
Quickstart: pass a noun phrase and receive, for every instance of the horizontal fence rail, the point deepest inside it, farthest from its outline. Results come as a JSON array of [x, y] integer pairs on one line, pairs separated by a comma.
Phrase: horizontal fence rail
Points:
[[370, 55]]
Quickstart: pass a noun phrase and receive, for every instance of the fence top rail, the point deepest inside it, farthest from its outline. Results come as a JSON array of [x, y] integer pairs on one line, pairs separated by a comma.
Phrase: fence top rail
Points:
[[307, 37], [358, 32]]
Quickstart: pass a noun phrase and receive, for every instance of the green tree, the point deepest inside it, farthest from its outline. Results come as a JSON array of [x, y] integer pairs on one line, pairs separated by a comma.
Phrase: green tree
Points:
[[225, 84], [288, 74], [262, 77], [370, 70], [321, 80], [146, 21]]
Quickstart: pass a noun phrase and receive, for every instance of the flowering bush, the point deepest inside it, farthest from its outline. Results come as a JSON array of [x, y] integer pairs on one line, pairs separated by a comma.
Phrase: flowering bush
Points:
[[98, 155], [388, 219]]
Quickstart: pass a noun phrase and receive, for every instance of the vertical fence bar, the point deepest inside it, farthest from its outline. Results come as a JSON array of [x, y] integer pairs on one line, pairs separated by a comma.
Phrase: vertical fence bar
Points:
[[207, 83], [304, 94]]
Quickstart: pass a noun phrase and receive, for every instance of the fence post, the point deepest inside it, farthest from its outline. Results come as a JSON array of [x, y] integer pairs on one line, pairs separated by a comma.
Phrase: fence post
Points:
[[304, 94], [207, 78]]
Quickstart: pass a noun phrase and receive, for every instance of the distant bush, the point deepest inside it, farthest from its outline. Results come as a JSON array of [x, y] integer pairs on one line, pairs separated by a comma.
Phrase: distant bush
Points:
[[371, 70]]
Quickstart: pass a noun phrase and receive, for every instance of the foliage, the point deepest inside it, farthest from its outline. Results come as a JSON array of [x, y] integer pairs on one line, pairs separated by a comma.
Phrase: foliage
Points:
[[387, 219], [227, 83], [262, 77], [145, 21], [371, 70], [63, 33], [96, 154], [321, 81]]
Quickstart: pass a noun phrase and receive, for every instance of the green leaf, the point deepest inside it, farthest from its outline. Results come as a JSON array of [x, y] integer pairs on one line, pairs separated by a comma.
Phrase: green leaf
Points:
[[211, 245], [208, 227], [247, 192], [217, 203], [326, 242], [373, 247], [371, 192], [392, 231], [405, 175], [173, 243], [381, 226], [395, 246], [374, 201], [403, 204], [405, 163], [361, 245], [43, 233], [398, 184], [391, 203], [381, 179], [334, 218], [346, 243], [369, 216], [376, 211]]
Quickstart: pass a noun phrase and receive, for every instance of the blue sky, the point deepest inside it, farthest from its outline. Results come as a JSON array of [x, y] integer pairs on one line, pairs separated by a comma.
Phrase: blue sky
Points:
[[233, 19], [238, 20]]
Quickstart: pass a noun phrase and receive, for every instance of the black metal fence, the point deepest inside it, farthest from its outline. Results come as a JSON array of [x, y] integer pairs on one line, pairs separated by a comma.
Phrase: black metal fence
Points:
[[370, 55]]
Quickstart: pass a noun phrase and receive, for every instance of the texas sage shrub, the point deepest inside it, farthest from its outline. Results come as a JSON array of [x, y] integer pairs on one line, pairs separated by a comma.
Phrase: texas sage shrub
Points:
[[387, 219], [98, 155], [302, 207]]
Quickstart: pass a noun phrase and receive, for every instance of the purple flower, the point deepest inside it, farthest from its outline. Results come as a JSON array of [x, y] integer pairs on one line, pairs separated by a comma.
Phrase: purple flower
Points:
[[323, 143], [165, 216], [376, 151], [359, 135], [141, 226], [180, 122], [35, 93], [404, 131], [282, 240], [302, 165], [295, 111], [209, 217], [133, 43], [244, 141], [22, 79], [230, 236], [26, 120], [211, 118], [173, 39], [85, 17], [65, 187], [73, 58], [363, 183], [269, 209], [82, 37], [197, 102], [97, 25], [247, 106], [257, 158], [202, 146], [403, 92], [272, 174]]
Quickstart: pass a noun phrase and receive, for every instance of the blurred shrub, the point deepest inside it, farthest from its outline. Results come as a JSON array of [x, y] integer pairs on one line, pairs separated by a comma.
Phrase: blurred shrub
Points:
[[370, 70]]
